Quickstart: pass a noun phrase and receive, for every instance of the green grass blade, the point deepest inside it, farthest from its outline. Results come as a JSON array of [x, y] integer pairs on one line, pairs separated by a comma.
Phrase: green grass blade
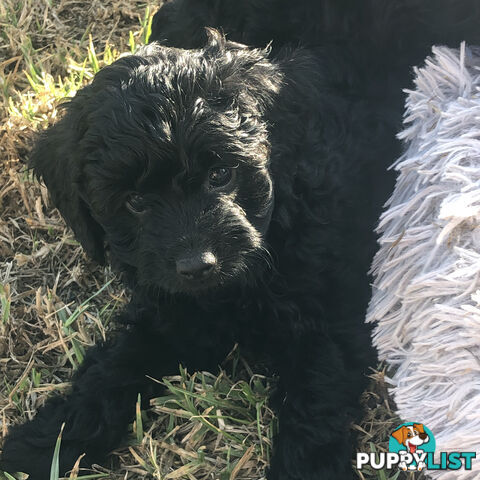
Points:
[[8, 476], [55, 468], [138, 419], [148, 28], [131, 42], [92, 56], [84, 305]]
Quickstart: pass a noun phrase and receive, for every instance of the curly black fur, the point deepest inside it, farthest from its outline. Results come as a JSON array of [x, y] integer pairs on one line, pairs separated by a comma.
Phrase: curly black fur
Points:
[[237, 189]]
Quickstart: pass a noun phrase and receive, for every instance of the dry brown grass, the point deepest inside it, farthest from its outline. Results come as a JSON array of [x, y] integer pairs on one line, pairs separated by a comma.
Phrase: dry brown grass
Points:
[[55, 302]]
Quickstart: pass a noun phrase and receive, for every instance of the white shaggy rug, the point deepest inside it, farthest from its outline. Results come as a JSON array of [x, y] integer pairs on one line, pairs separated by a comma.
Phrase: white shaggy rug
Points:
[[426, 292]]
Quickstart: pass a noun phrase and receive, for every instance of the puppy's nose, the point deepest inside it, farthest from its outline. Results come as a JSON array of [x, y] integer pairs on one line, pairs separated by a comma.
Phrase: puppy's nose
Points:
[[196, 266], [422, 436]]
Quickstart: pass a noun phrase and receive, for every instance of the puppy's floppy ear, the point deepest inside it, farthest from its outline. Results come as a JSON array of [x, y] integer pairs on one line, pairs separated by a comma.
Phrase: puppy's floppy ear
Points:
[[400, 435], [419, 427], [181, 23], [56, 161], [245, 69]]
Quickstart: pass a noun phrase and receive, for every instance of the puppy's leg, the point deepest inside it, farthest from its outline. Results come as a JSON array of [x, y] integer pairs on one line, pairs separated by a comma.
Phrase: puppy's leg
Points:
[[96, 412], [320, 400], [102, 402]]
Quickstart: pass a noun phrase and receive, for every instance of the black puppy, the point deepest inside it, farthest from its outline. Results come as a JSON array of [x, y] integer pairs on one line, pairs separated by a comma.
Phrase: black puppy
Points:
[[237, 190]]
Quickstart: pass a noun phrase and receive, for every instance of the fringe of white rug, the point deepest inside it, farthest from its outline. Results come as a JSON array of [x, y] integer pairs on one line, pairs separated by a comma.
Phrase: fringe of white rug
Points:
[[426, 293]]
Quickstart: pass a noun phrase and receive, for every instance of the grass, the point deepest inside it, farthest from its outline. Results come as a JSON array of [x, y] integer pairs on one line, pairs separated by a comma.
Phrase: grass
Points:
[[55, 303]]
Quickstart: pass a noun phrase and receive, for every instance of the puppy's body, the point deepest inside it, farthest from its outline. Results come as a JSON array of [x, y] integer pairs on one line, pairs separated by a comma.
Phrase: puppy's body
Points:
[[236, 190]]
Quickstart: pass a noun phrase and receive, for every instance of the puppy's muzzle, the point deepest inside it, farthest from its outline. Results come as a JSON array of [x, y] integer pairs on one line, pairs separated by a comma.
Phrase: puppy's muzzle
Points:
[[196, 266]]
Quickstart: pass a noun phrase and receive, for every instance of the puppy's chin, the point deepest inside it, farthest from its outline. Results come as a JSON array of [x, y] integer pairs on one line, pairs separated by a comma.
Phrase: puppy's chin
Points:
[[198, 288], [195, 288]]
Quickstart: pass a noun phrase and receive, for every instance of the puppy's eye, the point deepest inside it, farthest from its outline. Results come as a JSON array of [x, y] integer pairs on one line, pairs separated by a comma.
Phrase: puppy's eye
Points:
[[409, 434], [135, 203], [219, 177]]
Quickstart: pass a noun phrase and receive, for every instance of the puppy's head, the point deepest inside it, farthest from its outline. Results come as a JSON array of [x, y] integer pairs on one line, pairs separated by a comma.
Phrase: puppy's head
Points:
[[411, 435], [164, 158]]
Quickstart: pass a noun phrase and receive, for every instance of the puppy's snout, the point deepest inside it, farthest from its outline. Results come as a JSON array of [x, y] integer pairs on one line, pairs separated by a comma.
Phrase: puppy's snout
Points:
[[423, 436], [196, 266]]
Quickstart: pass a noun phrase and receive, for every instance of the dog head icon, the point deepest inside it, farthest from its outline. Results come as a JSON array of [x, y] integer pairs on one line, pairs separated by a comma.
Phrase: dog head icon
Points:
[[411, 436]]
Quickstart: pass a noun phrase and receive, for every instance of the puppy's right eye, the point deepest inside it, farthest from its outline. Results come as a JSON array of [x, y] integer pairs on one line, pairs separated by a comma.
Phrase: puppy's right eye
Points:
[[219, 177], [135, 203]]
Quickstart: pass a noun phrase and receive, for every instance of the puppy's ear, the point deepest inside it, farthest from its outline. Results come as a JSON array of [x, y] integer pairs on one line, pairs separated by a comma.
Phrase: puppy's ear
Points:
[[181, 23], [246, 70], [56, 161], [400, 435], [419, 427]]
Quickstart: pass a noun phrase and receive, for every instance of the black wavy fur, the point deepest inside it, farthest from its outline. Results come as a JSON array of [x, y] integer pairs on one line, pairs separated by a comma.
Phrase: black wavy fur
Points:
[[237, 189]]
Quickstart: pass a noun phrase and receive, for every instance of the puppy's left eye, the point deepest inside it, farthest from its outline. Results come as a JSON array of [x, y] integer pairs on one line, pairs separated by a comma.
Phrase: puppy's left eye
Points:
[[219, 177], [135, 203]]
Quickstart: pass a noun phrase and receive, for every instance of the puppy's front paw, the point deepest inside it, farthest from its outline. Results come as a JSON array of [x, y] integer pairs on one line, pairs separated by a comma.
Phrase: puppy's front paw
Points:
[[29, 448], [18, 456], [21, 456]]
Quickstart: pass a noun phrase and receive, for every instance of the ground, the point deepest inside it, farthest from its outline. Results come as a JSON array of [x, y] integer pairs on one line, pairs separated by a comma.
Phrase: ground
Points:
[[55, 303]]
